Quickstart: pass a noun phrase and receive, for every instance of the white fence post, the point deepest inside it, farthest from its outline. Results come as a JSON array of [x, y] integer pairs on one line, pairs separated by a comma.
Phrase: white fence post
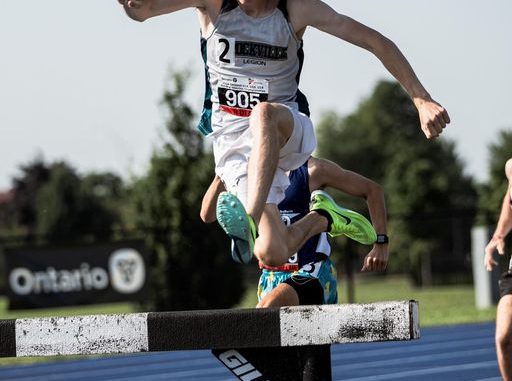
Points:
[[485, 283]]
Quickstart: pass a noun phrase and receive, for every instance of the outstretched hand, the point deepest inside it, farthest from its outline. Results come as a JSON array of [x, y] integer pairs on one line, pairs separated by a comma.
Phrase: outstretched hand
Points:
[[135, 4], [496, 243], [433, 118], [138, 10], [376, 260]]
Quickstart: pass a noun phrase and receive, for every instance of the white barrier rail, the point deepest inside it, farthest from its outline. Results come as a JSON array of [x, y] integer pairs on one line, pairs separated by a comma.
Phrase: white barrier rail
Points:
[[210, 329]]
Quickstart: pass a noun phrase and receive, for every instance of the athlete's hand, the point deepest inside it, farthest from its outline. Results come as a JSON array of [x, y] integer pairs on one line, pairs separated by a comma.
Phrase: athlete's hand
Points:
[[496, 243], [138, 10], [433, 117], [134, 4], [508, 172], [376, 259]]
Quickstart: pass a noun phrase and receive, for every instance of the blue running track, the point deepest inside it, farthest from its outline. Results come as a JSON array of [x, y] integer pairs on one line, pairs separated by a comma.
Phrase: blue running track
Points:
[[463, 352]]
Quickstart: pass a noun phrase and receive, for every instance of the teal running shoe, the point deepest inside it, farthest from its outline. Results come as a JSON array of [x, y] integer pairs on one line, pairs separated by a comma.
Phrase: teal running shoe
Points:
[[343, 221], [238, 225]]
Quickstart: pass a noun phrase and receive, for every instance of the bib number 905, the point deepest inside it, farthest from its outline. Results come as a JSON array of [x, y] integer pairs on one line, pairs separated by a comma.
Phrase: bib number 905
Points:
[[240, 99], [239, 95]]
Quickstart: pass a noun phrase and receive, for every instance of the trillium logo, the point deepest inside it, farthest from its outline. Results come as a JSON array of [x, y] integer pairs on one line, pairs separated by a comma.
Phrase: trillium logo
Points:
[[127, 271]]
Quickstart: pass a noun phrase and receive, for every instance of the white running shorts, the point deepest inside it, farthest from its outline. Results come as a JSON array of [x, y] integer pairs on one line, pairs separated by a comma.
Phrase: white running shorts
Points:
[[232, 151]]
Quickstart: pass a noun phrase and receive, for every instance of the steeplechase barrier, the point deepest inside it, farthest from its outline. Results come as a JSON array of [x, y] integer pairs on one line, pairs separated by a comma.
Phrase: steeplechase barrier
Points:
[[247, 330]]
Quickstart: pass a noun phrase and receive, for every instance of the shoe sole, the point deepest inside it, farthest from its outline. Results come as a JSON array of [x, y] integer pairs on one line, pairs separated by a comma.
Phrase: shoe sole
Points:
[[233, 220], [357, 219], [239, 250]]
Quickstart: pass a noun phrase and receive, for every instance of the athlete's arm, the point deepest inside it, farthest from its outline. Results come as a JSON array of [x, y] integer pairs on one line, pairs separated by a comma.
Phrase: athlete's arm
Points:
[[504, 225], [508, 171], [208, 206], [324, 173], [315, 13], [141, 10]]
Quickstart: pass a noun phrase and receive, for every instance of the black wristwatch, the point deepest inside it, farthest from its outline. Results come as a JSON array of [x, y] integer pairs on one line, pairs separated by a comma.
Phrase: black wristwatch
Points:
[[382, 239]]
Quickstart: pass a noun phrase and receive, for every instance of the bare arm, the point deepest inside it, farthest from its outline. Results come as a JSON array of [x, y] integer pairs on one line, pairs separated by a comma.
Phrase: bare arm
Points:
[[504, 225], [315, 13], [208, 206], [141, 10], [324, 173], [505, 221]]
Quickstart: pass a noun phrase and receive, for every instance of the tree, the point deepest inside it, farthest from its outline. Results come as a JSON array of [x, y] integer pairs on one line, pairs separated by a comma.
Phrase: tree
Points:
[[366, 139], [192, 264], [51, 202], [432, 204], [108, 191], [26, 187], [70, 209], [426, 188], [7, 211], [491, 193]]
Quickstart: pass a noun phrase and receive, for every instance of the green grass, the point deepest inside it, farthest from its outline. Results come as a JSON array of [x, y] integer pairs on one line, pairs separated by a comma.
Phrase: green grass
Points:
[[113, 308], [440, 305]]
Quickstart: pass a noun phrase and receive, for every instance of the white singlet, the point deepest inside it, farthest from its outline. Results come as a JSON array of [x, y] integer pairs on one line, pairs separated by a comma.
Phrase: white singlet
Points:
[[251, 60]]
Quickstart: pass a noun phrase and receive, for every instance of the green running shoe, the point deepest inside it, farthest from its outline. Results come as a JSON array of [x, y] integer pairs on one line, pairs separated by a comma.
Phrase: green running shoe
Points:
[[343, 221], [238, 225]]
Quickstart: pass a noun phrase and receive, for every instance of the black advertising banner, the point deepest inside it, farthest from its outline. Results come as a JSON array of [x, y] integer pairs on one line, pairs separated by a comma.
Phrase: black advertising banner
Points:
[[41, 277]]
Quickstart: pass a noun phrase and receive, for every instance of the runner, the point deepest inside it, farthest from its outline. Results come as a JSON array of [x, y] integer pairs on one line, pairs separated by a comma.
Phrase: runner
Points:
[[309, 276], [504, 311], [259, 119]]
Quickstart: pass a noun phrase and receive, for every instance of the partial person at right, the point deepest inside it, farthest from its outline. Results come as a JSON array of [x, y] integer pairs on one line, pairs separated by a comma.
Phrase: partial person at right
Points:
[[504, 311]]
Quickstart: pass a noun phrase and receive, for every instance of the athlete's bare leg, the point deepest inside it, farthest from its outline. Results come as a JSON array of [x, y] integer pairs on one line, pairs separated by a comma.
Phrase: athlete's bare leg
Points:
[[504, 336], [271, 126], [277, 242], [282, 295]]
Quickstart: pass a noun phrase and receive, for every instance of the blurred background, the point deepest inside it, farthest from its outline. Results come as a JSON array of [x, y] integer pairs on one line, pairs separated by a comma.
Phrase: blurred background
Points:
[[100, 155]]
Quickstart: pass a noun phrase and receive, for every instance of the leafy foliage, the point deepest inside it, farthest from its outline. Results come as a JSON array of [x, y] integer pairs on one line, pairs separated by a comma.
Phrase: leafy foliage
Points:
[[491, 193], [69, 209], [53, 203], [424, 181], [26, 188], [192, 265]]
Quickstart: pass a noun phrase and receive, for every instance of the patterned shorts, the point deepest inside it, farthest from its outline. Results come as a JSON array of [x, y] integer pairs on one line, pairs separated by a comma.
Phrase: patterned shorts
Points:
[[323, 272]]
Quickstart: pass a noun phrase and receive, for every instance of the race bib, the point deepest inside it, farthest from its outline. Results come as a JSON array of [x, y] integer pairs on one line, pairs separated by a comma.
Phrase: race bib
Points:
[[239, 95], [294, 259], [312, 268]]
